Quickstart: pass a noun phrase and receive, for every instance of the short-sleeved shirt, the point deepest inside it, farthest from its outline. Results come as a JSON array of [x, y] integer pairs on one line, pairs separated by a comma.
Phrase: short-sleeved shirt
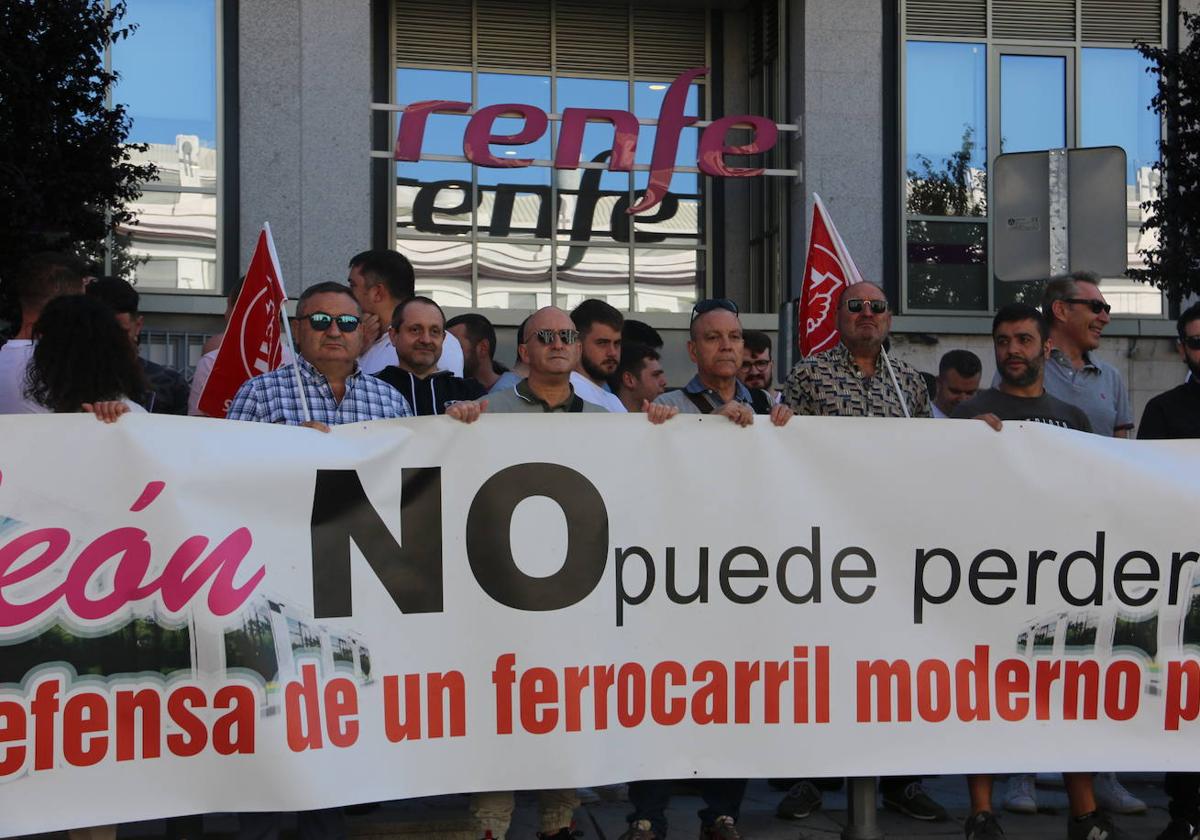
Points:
[[507, 381], [520, 399], [831, 384], [14, 365], [1043, 409], [683, 399], [1097, 388], [1173, 414], [272, 398]]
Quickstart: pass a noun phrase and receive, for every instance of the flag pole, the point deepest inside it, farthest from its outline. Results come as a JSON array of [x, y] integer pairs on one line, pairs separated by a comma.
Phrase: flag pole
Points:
[[287, 327], [852, 269]]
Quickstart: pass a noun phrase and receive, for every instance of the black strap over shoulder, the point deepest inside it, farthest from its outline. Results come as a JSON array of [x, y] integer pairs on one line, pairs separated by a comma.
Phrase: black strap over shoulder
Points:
[[702, 402], [760, 400], [576, 404]]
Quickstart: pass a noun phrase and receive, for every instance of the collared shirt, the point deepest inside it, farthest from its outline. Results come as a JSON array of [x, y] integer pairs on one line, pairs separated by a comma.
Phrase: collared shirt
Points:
[[272, 398], [593, 393], [686, 405], [521, 400], [1097, 388], [831, 384]]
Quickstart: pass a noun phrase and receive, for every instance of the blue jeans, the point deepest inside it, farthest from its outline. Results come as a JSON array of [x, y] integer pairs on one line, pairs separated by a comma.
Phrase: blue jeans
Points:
[[722, 798]]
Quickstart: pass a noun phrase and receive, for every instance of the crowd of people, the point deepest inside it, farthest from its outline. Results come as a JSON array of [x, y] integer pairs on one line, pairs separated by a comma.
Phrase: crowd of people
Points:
[[371, 349]]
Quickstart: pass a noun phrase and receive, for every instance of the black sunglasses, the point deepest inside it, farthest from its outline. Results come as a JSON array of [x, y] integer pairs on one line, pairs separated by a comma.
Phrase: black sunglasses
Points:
[[1192, 342], [711, 304], [878, 307], [1097, 306], [321, 321], [565, 336]]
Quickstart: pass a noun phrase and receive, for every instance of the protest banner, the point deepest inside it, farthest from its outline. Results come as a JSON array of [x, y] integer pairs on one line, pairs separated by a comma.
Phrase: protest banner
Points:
[[237, 616]]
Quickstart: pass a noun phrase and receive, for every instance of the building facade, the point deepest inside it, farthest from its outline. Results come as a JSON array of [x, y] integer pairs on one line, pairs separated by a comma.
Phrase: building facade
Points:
[[894, 112]]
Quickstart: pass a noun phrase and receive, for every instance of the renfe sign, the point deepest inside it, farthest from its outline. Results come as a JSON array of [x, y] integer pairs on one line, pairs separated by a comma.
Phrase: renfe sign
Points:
[[713, 148]]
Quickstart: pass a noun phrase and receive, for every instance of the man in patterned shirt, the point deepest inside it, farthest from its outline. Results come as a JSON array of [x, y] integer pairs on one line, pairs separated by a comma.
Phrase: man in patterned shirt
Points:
[[852, 379], [329, 341]]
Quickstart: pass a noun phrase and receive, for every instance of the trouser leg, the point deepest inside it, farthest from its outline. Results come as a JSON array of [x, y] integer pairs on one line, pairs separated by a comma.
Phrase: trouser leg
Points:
[[650, 800], [557, 808], [493, 810], [722, 798]]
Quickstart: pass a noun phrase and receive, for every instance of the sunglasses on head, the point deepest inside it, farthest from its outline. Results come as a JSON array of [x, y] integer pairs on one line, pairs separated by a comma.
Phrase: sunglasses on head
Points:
[[1097, 306], [711, 304], [321, 321], [1192, 342], [565, 336], [878, 307]]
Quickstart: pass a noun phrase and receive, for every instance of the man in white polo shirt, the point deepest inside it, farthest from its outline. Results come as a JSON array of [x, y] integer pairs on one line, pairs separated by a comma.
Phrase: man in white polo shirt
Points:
[[599, 326]]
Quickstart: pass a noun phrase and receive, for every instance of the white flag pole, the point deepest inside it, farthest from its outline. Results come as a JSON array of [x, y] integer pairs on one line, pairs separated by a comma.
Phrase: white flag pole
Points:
[[287, 327], [855, 276]]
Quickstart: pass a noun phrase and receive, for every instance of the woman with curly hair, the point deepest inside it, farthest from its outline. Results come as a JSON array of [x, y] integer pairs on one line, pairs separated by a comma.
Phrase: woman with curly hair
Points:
[[83, 360]]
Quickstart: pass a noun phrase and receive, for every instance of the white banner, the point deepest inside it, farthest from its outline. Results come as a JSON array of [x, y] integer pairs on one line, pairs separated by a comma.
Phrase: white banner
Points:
[[254, 617]]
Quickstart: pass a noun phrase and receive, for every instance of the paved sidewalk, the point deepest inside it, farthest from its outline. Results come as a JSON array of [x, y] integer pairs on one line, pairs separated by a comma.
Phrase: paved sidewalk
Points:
[[445, 817]]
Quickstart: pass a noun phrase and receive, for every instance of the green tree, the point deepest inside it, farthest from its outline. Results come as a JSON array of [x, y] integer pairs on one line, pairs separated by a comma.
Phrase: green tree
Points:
[[1173, 265], [66, 174]]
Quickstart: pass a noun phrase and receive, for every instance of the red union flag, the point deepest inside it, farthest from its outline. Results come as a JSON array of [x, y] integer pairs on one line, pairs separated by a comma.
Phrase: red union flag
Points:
[[827, 271], [252, 344]]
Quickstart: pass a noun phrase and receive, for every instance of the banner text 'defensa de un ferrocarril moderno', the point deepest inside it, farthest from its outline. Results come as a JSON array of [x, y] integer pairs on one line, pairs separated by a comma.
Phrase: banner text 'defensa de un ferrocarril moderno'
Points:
[[254, 617]]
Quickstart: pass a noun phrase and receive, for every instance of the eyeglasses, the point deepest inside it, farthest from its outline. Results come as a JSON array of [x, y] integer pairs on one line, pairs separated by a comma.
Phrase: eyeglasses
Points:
[[711, 304], [1192, 342], [1097, 306], [321, 321], [565, 336], [878, 307], [757, 364]]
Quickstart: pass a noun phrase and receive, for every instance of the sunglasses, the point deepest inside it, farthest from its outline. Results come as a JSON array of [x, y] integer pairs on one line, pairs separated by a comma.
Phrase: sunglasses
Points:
[[1097, 306], [565, 336], [712, 304], [321, 321], [878, 307], [1192, 342]]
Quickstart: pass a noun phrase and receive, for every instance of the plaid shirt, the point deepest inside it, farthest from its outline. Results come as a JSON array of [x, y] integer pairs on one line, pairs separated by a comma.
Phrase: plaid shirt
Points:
[[272, 398], [830, 384]]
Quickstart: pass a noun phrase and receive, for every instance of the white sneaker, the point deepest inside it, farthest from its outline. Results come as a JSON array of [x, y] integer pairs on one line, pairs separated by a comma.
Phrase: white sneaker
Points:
[[1021, 796], [1111, 796]]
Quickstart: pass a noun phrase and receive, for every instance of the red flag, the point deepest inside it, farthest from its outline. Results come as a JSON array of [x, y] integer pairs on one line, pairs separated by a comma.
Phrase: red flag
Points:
[[252, 344], [827, 271]]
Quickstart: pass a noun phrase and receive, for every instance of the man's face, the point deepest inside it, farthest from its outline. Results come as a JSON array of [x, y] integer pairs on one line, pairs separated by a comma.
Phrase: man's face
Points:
[[649, 384], [864, 327], [363, 292], [1020, 352], [132, 324], [1191, 357], [331, 345], [601, 352], [954, 388], [1079, 324], [418, 339], [717, 346], [755, 371], [556, 358], [471, 359]]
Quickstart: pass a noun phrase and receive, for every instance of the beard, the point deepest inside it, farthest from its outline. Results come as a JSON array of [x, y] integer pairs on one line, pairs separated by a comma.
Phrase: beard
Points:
[[596, 374], [1031, 374]]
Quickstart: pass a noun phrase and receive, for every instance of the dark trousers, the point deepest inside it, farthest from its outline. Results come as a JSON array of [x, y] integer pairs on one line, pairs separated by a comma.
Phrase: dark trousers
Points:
[[896, 784], [722, 798], [323, 824], [1183, 789]]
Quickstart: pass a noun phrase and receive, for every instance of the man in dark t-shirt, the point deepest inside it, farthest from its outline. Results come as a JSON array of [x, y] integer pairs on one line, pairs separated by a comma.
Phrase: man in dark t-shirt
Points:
[[1021, 341]]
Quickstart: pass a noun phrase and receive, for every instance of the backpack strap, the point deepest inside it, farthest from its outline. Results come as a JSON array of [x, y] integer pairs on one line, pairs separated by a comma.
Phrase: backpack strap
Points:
[[701, 402]]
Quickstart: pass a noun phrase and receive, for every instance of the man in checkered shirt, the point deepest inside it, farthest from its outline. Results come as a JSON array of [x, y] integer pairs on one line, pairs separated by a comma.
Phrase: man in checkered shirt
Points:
[[329, 342]]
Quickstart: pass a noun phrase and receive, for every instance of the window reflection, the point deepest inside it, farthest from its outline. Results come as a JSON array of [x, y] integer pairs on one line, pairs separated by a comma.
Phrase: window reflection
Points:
[[946, 149], [514, 274], [947, 265], [442, 268], [433, 197], [1115, 94], [597, 136], [1033, 102], [666, 279], [497, 88], [593, 272], [647, 103], [443, 132]]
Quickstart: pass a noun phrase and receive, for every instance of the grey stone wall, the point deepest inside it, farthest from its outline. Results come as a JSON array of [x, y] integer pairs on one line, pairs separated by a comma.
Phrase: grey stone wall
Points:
[[304, 133]]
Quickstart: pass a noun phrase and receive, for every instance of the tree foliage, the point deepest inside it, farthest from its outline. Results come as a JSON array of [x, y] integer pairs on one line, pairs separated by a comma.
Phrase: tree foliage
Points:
[[66, 173], [1173, 265]]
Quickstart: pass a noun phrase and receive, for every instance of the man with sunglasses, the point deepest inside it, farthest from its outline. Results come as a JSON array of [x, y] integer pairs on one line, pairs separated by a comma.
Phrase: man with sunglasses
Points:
[[852, 379], [337, 391], [1077, 314]]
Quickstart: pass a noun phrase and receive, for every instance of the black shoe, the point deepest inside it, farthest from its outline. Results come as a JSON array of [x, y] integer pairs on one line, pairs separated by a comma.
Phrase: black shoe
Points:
[[1093, 826], [801, 800], [983, 826], [1179, 830], [568, 833], [723, 828], [639, 830], [913, 801]]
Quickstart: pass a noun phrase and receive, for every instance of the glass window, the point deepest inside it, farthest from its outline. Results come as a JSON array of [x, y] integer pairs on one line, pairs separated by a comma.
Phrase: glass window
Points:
[[1033, 102], [168, 81]]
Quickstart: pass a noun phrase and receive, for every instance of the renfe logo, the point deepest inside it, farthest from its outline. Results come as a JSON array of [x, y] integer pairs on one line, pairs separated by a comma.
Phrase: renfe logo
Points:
[[671, 121]]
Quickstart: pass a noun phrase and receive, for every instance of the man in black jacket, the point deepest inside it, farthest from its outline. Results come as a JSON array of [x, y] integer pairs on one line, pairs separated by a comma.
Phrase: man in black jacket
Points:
[[418, 331]]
